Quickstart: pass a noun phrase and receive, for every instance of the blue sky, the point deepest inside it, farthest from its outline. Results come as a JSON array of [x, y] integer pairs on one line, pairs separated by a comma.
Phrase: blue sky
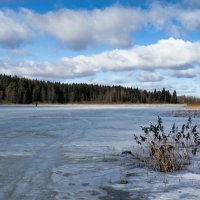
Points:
[[147, 44]]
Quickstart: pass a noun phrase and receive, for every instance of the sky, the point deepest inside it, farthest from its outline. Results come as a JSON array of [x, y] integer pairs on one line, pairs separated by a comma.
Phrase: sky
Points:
[[148, 44]]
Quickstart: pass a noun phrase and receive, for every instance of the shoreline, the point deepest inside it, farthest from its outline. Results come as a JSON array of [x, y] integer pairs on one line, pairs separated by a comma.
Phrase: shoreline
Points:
[[93, 104], [192, 106]]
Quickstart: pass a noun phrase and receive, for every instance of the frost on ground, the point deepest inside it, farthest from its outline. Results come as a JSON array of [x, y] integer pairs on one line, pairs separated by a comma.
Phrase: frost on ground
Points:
[[97, 178], [75, 153]]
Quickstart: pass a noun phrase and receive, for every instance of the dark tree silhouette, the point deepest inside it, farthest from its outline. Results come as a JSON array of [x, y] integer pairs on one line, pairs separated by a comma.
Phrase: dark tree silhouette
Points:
[[25, 91]]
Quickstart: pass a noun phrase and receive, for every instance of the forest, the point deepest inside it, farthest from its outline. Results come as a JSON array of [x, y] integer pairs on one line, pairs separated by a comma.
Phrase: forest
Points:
[[16, 90]]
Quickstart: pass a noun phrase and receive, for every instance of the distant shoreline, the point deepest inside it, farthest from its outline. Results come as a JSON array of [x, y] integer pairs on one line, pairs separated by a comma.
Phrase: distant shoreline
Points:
[[193, 106], [95, 104]]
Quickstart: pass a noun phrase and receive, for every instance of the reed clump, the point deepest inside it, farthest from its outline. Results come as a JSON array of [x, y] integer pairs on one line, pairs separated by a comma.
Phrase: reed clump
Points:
[[168, 152]]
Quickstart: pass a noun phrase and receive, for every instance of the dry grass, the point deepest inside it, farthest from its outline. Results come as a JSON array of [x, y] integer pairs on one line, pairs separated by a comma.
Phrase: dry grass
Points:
[[193, 106], [168, 152]]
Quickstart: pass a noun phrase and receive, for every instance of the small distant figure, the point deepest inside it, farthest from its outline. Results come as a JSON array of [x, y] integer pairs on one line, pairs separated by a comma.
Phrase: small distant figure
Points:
[[36, 105]]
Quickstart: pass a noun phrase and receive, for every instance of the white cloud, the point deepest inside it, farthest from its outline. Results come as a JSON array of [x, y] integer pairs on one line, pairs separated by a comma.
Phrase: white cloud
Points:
[[113, 25], [12, 31], [170, 53], [79, 29], [160, 16], [173, 18], [165, 54], [190, 20]]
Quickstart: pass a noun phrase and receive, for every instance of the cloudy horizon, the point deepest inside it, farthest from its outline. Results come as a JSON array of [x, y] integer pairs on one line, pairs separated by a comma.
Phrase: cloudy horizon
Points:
[[149, 45]]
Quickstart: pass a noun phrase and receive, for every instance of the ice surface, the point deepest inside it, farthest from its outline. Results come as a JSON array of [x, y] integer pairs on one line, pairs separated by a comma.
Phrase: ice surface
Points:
[[74, 152]]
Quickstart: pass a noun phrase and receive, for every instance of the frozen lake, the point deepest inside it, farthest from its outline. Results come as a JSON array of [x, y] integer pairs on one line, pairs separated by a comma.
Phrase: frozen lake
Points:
[[74, 152]]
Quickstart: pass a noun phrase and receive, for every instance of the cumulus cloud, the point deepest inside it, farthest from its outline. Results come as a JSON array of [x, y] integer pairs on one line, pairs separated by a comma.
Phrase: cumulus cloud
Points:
[[165, 54], [113, 25], [79, 29], [173, 18], [169, 53], [12, 31], [190, 20]]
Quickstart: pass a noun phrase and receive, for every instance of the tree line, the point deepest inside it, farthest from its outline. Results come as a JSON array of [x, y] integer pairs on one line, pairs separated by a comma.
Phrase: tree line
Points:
[[25, 91]]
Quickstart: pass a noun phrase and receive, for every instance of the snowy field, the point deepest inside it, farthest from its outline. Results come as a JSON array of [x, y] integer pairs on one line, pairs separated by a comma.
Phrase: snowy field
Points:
[[74, 152]]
